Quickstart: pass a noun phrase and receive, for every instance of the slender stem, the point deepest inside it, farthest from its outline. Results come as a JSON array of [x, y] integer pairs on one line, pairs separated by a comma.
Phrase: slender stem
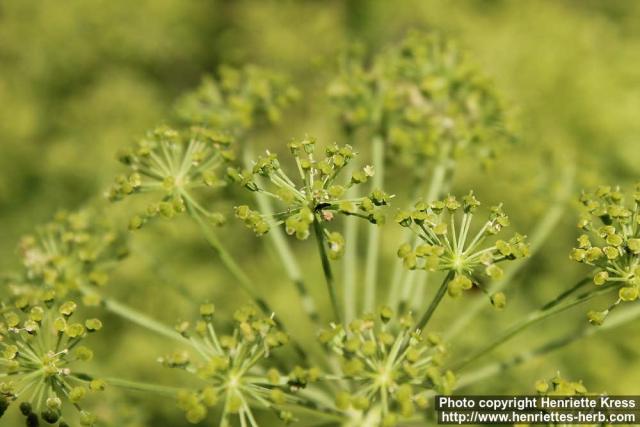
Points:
[[141, 386], [133, 315], [350, 259], [371, 271], [538, 237], [239, 274], [142, 320], [288, 260], [435, 302], [552, 308], [349, 276], [437, 183], [495, 368], [326, 268]]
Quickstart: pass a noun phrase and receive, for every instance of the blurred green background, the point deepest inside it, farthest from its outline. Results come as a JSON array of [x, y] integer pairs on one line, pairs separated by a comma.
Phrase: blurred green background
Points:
[[79, 80]]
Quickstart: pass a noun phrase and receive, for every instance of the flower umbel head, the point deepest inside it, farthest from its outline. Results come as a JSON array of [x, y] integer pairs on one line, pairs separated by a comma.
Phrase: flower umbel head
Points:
[[558, 386], [39, 360], [237, 100], [611, 243], [426, 97], [74, 251], [317, 194], [390, 366], [176, 166], [231, 367], [446, 242]]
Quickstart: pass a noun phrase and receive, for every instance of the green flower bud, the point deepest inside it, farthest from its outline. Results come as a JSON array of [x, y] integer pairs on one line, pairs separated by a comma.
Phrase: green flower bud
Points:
[[499, 300]]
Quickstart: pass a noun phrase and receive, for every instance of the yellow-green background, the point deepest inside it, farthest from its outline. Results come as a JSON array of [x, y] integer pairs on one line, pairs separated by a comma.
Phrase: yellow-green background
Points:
[[81, 79]]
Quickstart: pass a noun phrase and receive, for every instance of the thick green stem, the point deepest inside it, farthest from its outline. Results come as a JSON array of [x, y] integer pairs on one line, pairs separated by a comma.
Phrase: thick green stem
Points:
[[538, 237], [435, 302], [496, 368], [371, 270], [326, 269], [554, 307]]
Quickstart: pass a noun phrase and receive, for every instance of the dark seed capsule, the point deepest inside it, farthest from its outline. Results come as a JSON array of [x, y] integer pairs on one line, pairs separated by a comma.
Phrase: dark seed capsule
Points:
[[50, 416], [4, 404], [25, 408], [32, 420]]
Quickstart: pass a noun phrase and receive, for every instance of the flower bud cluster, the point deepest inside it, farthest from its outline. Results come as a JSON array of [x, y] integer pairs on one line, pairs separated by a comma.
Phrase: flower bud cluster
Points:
[[424, 96], [610, 243], [39, 356], [74, 250], [177, 166], [558, 386], [316, 197], [391, 366], [445, 246], [238, 100], [231, 366]]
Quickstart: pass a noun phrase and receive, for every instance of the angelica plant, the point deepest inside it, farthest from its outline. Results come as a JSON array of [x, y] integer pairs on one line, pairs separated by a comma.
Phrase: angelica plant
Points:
[[420, 104]]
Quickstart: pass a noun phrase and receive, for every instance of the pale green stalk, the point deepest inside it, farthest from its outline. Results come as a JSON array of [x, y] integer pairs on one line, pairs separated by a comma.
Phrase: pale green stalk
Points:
[[371, 269], [138, 318], [615, 320], [238, 273], [538, 237], [435, 302], [326, 269], [554, 307], [407, 285], [286, 255], [141, 386]]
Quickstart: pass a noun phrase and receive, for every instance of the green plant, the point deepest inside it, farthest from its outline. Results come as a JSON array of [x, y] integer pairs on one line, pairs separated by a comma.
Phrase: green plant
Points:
[[376, 361]]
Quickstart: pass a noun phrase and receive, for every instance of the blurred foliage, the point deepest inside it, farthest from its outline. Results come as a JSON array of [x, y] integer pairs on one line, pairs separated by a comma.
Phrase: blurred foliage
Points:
[[80, 80]]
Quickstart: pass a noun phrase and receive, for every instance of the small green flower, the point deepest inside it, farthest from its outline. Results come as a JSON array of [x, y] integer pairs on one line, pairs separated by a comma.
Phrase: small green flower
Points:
[[443, 246], [39, 358], [75, 250], [176, 165], [317, 195], [238, 100], [610, 243], [391, 365], [231, 367]]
